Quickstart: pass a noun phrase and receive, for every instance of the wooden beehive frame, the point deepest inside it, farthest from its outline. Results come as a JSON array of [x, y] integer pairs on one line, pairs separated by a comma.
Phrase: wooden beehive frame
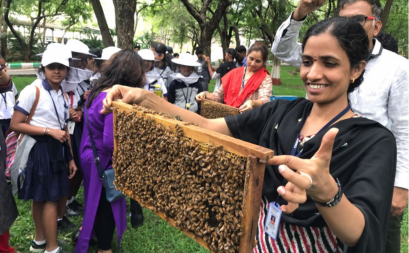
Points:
[[206, 103], [253, 186]]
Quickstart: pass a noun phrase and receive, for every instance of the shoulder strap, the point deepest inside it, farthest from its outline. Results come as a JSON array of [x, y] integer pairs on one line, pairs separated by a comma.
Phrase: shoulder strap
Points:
[[32, 111], [94, 150]]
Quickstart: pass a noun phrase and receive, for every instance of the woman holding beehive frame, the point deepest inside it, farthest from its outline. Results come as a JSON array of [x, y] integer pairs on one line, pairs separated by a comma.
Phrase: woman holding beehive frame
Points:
[[101, 216], [245, 87], [333, 173]]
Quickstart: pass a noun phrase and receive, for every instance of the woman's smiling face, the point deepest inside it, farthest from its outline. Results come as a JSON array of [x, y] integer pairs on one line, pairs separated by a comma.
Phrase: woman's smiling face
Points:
[[325, 70]]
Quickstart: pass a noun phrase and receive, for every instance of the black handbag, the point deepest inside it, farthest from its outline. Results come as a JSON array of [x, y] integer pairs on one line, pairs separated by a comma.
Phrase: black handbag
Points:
[[107, 177]]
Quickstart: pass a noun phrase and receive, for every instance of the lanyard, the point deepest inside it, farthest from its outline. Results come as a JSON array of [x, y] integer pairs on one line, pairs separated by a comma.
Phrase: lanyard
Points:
[[56, 112], [242, 80], [72, 99], [4, 95], [187, 93], [297, 139]]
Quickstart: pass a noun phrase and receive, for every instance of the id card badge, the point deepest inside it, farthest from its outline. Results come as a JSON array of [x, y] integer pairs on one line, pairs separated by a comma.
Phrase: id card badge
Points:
[[71, 127], [6, 114], [272, 225]]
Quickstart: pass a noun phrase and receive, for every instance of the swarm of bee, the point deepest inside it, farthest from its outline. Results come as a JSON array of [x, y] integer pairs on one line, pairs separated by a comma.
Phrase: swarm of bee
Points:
[[214, 110], [199, 186]]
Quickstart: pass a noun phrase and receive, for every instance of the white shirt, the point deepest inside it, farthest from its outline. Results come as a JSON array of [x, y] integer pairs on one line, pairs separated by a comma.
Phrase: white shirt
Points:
[[153, 77], [382, 96], [45, 114], [7, 102]]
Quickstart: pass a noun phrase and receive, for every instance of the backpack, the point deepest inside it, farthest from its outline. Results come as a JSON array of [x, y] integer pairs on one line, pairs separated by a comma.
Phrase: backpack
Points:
[[14, 138]]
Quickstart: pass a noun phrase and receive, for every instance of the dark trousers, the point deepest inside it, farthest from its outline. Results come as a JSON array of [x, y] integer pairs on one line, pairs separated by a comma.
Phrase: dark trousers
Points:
[[104, 223], [393, 237]]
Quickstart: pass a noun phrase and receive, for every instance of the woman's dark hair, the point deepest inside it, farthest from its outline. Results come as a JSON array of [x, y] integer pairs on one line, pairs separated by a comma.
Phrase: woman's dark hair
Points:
[[175, 54], [260, 47], [350, 36], [160, 48], [41, 70], [232, 52], [125, 67]]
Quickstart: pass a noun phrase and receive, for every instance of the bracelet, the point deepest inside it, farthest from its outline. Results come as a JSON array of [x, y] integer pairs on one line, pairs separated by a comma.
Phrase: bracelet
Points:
[[205, 96], [335, 200], [45, 129], [253, 103]]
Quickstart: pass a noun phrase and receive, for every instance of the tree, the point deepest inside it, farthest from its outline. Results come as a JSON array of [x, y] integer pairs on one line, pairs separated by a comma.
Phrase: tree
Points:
[[124, 20], [3, 30], [102, 23], [207, 25], [42, 9]]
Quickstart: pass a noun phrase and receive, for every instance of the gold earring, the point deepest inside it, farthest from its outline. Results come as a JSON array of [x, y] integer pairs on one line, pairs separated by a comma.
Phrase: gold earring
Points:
[[353, 80]]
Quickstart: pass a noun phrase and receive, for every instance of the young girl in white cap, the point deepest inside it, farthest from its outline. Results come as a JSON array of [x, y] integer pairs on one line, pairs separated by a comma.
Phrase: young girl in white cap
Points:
[[47, 173], [185, 85], [153, 80]]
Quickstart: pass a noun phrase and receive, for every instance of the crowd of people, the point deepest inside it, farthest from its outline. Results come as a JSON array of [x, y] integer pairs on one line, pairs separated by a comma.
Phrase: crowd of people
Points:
[[338, 181]]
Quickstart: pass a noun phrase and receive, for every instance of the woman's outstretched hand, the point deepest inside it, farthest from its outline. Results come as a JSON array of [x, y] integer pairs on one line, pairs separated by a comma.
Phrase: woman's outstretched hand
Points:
[[322, 186], [127, 94]]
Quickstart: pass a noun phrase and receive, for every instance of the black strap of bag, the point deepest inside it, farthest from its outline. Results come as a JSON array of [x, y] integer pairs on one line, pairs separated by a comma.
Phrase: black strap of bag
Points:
[[94, 150]]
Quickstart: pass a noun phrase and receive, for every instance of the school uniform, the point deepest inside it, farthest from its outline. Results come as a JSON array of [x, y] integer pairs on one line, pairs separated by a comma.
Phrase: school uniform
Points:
[[75, 128], [46, 174], [183, 90], [7, 102], [165, 73], [153, 78], [82, 87]]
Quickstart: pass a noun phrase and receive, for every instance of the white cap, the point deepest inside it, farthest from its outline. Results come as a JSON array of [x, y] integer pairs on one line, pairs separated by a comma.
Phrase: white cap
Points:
[[186, 59], [56, 53], [77, 46], [146, 54], [108, 52]]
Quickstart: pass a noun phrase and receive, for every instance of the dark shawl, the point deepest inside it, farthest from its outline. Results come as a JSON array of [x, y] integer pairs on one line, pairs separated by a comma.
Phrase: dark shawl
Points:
[[363, 159]]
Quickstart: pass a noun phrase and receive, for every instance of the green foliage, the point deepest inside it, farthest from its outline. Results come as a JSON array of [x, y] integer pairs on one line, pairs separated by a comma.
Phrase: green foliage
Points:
[[145, 40], [397, 24], [15, 53]]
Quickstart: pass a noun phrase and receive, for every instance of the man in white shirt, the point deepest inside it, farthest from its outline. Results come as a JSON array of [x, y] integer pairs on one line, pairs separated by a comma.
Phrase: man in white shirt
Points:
[[383, 95]]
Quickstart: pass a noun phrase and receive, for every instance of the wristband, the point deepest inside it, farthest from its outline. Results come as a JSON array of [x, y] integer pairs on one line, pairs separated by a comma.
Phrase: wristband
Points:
[[335, 200], [205, 96]]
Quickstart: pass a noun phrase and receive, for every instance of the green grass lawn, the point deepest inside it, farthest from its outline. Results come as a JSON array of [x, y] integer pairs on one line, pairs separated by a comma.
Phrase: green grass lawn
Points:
[[155, 235]]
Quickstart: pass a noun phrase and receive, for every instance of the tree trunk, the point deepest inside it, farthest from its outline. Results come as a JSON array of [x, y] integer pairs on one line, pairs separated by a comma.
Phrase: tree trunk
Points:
[[124, 12], [385, 14], [207, 27], [102, 24], [3, 31], [275, 71]]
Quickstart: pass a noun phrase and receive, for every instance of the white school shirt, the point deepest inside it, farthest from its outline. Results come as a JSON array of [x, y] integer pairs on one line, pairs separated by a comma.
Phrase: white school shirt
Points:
[[160, 81], [7, 102], [44, 115], [382, 96], [82, 87]]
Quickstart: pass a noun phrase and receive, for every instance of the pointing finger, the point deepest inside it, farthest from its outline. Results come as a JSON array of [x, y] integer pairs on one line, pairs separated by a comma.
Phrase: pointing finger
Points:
[[327, 143]]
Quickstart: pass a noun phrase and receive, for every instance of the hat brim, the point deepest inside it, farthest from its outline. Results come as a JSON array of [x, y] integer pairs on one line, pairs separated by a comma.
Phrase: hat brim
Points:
[[185, 62], [78, 52]]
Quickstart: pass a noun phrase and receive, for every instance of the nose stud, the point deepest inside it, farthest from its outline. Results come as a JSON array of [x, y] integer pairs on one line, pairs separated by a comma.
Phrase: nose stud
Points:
[[315, 58]]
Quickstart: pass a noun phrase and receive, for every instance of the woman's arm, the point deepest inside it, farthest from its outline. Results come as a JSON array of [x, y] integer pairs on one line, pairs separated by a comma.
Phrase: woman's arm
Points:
[[210, 67], [149, 100], [345, 219], [264, 91], [18, 124]]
